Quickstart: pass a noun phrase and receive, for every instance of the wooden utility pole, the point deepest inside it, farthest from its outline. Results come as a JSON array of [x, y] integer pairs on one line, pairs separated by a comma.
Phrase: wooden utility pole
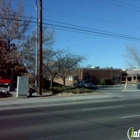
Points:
[[40, 50], [36, 59]]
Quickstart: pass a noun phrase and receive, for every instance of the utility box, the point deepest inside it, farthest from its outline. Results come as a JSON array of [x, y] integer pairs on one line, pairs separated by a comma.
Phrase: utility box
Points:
[[22, 86]]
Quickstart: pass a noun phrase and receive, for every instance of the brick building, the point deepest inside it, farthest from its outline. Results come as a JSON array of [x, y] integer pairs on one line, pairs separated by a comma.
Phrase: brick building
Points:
[[113, 76]]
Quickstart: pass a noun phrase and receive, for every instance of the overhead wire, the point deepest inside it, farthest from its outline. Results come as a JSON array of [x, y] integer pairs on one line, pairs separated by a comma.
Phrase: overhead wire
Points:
[[85, 30], [91, 18], [86, 17], [76, 28], [119, 5], [126, 4]]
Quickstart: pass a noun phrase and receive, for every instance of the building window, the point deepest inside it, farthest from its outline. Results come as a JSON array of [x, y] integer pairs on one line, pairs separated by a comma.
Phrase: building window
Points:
[[134, 77], [129, 78], [138, 78], [70, 78], [123, 78], [87, 78], [76, 78], [117, 79]]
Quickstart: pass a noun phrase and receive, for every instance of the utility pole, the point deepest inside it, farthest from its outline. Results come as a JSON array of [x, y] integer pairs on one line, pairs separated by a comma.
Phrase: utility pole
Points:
[[40, 50], [36, 61]]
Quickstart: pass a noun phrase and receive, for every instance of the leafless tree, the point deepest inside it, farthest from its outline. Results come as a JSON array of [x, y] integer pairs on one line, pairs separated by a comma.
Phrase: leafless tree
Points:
[[132, 56], [60, 64], [13, 26], [50, 68], [67, 62], [13, 23], [29, 47]]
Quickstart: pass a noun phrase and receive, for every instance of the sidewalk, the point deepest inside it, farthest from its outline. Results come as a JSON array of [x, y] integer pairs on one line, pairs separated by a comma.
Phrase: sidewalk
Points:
[[52, 100]]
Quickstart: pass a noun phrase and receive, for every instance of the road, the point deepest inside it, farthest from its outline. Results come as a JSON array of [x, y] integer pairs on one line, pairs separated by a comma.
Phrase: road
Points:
[[108, 120], [131, 91]]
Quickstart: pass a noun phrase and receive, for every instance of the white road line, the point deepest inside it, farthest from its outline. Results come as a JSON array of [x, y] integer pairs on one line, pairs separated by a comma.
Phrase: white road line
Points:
[[101, 108], [132, 116]]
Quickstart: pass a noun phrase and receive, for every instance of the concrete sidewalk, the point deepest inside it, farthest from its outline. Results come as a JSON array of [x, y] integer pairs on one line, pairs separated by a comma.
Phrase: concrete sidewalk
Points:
[[52, 100]]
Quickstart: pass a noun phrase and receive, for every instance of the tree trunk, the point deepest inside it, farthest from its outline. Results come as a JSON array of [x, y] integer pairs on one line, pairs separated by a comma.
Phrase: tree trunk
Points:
[[51, 81], [64, 81]]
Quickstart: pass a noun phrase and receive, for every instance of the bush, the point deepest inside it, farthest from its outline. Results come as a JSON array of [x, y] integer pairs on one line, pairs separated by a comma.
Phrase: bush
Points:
[[81, 90], [67, 89], [105, 81]]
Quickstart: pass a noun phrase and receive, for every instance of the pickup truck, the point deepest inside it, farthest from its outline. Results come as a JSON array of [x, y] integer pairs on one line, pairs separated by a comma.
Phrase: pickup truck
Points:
[[5, 80]]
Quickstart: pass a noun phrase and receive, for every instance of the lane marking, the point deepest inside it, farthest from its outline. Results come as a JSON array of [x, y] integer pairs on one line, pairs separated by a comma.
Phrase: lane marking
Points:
[[101, 108], [131, 116]]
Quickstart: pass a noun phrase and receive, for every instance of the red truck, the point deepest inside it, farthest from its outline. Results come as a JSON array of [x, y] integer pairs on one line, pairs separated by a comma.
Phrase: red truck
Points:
[[5, 80]]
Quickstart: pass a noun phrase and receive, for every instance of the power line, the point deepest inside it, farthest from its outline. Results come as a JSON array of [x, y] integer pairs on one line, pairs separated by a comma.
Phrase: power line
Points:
[[97, 19], [83, 17], [102, 35], [99, 32], [119, 5], [76, 15], [85, 30], [126, 4], [75, 25]]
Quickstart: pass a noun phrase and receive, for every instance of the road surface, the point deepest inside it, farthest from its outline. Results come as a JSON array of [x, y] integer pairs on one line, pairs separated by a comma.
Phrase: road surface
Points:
[[108, 120]]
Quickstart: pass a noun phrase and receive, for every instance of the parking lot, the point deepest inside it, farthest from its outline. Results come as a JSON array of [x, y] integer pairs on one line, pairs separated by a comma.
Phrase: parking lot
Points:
[[118, 87], [131, 91]]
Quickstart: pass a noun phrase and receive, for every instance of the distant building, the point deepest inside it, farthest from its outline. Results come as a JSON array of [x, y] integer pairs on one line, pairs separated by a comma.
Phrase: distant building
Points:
[[110, 75], [132, 76], [95, 75]]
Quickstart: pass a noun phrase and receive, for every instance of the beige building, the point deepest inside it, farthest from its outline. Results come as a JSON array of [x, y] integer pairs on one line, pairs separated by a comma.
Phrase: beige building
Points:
[[132, 76]]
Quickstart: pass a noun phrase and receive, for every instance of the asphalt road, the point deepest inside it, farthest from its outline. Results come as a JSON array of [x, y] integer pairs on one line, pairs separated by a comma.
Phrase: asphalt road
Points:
[[87, 121], [131, 91]]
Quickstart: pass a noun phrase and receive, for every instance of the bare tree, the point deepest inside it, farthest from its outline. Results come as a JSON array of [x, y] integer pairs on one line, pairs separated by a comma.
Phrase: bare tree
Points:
[[67, 62], [132, 56], [50, 68], [13, 26], [13, 23], [29, 47], [60, 64]]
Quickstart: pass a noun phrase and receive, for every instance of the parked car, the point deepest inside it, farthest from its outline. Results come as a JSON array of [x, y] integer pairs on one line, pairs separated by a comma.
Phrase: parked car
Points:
[[5, 80], [86, 84], [138, 86]]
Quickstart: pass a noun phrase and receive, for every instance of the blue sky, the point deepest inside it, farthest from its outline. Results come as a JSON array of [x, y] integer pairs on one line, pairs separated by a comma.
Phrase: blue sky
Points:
[[114, 16]]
